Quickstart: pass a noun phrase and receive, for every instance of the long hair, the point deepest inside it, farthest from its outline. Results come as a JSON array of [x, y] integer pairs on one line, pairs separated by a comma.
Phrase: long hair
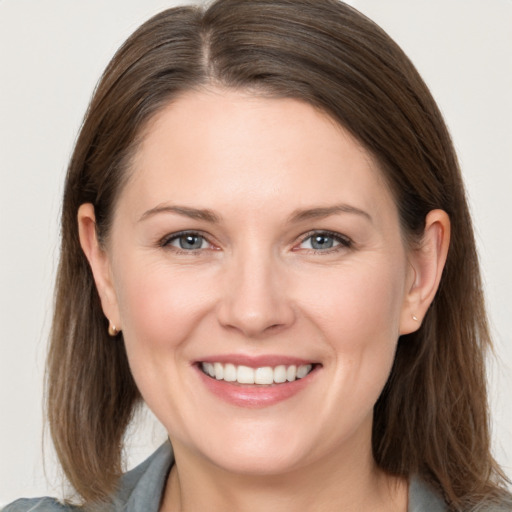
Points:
[[432, 417]]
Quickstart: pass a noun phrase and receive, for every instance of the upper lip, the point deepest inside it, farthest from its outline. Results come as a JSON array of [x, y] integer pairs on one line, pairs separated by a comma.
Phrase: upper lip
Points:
[[255, 361]]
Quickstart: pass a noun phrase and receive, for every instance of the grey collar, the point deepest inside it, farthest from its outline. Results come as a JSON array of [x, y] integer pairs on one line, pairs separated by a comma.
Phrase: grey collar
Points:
[[141, 488]]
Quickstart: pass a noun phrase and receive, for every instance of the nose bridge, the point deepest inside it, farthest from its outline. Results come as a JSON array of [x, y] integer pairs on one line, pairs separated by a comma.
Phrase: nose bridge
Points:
[[255, 298]]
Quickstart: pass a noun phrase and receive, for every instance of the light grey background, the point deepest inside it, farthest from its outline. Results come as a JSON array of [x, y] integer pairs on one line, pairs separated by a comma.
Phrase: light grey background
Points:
[[51, 55]]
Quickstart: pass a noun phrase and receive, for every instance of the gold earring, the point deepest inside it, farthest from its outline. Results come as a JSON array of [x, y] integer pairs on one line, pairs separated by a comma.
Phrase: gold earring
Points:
[[112, 329]]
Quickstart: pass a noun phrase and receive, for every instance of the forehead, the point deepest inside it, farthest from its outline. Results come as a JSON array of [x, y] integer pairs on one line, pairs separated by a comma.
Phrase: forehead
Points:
[[219, 146]]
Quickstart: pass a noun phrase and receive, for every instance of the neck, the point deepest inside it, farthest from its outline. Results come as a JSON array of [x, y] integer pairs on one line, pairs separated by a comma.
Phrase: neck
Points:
[[339, 483]]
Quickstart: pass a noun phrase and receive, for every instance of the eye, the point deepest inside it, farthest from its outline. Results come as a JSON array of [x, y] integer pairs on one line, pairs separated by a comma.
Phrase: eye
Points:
[[324, 241], [187, 241]]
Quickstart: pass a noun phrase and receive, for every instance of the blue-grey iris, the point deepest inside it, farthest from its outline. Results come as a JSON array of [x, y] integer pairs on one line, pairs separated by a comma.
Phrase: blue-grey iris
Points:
[[322, 242], [190, 242]]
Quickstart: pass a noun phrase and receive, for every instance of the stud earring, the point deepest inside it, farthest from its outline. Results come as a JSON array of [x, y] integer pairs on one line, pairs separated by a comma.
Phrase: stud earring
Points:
[[112, 329], [415, 318]]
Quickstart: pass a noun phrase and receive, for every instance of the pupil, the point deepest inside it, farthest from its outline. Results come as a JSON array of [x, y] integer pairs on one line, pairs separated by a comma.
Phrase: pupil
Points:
[[322, 242], [190, 242]]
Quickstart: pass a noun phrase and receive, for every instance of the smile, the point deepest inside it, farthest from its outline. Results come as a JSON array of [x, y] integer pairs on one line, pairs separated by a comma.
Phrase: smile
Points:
[[265, 375]]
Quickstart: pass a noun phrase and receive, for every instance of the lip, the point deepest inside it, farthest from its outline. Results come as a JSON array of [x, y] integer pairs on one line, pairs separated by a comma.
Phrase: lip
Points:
[[251, 395]]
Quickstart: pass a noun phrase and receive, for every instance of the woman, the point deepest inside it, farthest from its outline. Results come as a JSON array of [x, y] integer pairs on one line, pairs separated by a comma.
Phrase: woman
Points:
[[265, 238]]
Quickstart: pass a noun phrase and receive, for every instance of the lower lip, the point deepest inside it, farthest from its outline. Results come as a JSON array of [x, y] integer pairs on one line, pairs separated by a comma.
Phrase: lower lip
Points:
[[254, 395]]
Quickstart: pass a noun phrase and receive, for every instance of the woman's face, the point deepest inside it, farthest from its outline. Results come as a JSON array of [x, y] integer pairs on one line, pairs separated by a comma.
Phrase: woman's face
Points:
[[256, 239]]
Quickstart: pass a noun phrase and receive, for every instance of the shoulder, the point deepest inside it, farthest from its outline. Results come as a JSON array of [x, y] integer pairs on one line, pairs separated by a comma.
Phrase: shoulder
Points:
[[38, 505], [142, 487], [503, 504], [423, 498], [139, 489]]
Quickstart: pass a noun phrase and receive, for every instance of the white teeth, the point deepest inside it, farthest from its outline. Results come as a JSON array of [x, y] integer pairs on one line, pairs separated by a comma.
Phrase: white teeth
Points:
[[280, 374], [245, 375], [265, 375], [209, 369], [219, 371], [303, 370], [291, 373], [229, 372]]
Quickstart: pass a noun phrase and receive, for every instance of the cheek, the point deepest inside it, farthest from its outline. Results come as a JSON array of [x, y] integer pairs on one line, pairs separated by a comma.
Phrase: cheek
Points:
[[159, 305], [357, 305], [357, 310]]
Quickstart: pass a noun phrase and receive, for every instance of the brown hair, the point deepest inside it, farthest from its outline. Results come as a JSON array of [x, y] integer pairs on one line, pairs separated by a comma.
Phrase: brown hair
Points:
[[432, 417]]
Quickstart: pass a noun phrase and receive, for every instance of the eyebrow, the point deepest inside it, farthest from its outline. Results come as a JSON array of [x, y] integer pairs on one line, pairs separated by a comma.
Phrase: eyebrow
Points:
[[192, 213], [297, 216], [321, 212]]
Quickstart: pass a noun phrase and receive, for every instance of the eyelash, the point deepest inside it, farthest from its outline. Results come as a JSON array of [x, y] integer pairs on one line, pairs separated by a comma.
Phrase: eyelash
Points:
[[343, 242]]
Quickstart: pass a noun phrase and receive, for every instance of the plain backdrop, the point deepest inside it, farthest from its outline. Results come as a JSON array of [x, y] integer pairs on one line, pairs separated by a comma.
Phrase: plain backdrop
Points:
[[51, 54]]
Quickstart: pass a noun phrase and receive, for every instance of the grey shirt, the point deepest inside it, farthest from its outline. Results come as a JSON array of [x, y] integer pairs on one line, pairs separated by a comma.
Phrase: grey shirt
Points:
[[141, 491]]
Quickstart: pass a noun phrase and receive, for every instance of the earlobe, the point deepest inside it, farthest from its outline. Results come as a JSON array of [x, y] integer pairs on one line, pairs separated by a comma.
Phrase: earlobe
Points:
[[99, 261], [427, 262]]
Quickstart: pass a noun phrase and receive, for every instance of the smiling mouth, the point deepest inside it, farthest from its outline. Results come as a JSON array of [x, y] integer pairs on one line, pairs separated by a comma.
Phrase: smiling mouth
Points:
[[265, 375]]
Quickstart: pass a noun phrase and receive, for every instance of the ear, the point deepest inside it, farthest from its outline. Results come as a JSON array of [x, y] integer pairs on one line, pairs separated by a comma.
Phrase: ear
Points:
[[100, 263], [427, 262]]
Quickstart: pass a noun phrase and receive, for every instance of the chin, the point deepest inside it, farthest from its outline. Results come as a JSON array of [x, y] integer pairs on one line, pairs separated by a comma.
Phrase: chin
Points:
[[246, 448], [258, 463]]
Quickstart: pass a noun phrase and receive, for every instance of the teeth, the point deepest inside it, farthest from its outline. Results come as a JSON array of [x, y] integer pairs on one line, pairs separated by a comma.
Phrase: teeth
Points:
[[291, 373], [280, 374], [219, 371], [245, 375], [264, 375], [229, 373], [302, 371], [211, 370]]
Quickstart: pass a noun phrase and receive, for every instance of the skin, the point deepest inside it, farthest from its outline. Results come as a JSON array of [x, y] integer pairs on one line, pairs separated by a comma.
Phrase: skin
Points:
[[256, 286]]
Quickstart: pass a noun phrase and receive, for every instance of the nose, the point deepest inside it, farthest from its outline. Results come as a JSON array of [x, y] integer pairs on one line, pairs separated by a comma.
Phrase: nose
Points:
[[255, 301]]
